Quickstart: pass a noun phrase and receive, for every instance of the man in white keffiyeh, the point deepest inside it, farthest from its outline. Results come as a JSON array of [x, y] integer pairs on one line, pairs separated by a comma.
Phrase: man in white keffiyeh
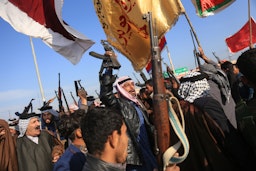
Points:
[[125, 86], [34, 146], [139, 145]]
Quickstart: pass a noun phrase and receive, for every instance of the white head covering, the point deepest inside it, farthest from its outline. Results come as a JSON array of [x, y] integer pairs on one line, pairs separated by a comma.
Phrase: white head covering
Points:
[[24, 119], [73, 107], [23, 125], [118, 85], [193, 86]]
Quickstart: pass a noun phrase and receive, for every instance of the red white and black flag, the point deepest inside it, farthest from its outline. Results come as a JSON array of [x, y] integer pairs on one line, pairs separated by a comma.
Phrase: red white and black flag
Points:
[[241, 39], [43, 19], [206, 8]]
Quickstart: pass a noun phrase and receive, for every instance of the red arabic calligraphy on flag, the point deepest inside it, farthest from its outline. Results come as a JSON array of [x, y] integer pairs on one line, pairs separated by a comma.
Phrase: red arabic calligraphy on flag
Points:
[[241, 39], [42, 19], [128, 32]]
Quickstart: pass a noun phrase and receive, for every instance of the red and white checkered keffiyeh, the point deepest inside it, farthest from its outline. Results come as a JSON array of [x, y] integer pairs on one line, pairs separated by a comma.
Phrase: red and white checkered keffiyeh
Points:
[[118, 85]]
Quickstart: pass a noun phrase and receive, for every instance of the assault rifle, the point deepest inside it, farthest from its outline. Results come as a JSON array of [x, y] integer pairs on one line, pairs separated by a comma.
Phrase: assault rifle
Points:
[[108, 61], [218, 59], [29, 106], [80, 88]]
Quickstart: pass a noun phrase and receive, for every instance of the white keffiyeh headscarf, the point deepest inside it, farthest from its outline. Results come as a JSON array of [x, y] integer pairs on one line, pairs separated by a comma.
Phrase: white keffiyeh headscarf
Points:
[[118, 85], [23, 125], [193, 86]]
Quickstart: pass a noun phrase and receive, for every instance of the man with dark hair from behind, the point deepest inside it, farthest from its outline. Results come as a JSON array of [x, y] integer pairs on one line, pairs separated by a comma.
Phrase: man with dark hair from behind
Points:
[[246, 112], [74, 156], [247, 66], [104, 133]]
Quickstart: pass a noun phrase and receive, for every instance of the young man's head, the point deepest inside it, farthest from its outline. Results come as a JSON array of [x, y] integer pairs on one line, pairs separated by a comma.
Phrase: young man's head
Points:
[[69, 125], [246, 63], [104, 133], [149, 86]]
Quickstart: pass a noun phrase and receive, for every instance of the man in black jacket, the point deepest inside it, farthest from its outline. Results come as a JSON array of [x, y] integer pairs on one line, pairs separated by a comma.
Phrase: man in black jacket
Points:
[[140, 155]]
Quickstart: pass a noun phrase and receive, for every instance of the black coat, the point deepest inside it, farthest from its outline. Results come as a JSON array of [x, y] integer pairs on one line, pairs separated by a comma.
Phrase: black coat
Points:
[[35, 157], [129, 113]]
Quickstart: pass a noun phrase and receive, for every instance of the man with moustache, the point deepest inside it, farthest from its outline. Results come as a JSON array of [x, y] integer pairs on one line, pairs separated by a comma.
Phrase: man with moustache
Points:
[[140, 154], [35, 146]]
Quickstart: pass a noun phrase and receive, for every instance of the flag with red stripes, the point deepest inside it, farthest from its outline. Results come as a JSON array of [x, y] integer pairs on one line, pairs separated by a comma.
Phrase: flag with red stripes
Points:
[[42, 19], [206, 8]]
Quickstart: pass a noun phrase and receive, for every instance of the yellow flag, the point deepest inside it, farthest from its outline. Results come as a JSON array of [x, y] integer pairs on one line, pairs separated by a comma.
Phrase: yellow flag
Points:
[[128, 32]]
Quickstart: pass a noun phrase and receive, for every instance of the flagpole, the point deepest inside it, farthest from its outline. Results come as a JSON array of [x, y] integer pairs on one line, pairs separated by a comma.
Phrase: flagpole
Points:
[[170, 59], [250, 23], [37, 70], [192, 29], [194, 33]]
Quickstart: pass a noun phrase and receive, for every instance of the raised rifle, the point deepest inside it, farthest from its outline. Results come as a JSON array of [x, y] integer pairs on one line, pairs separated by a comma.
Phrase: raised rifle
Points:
[[139, 84], [66, 101], [78, 86], [108, 61], [218, 59], [29, 106], [58, 95], [75, 102], [170, 73]]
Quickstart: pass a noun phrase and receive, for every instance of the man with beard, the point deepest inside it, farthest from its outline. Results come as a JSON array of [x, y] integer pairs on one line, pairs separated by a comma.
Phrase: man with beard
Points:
[[35, 147], [140, 154], [49, 119]]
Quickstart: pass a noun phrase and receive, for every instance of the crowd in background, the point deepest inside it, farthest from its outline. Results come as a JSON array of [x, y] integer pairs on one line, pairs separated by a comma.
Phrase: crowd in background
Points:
[[218, 101]]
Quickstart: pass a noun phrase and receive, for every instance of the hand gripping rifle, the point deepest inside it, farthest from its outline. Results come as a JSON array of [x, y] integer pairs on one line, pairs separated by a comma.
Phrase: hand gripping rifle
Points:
[[108, 61], [79, 87]]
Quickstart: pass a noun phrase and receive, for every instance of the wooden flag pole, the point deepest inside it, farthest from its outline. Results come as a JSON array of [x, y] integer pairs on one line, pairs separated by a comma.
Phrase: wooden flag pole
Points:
[[37, 70], [192, 29], [170, 59], [160, 106], [250, 24], [197, 40]]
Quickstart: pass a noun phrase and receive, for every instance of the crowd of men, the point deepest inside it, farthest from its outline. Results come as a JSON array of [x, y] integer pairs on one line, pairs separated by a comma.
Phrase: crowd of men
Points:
[[219, 106]]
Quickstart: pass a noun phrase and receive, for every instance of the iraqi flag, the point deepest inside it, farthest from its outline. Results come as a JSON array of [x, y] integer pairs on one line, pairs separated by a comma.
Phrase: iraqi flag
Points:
[[206, 8], [241, 39], [43, 19]]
